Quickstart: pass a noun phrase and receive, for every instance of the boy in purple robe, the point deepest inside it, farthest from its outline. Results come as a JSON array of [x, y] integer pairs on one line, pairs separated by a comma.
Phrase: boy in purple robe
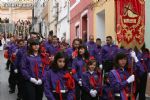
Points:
[[13, 48], [22, 50]]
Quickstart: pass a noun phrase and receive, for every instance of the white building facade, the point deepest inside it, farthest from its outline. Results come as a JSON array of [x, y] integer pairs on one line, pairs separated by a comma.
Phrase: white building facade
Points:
[[60, 22], [52, 15]]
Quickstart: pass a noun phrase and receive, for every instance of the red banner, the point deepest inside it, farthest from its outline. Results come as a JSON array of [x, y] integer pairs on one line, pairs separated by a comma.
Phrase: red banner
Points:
[[130, 22]]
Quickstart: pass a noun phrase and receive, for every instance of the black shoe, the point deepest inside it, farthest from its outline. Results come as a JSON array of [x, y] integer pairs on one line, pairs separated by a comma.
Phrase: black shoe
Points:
[[19, 98], [11, 91]]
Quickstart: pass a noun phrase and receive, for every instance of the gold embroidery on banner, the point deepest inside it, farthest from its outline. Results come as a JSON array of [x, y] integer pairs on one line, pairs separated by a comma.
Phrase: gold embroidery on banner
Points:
[[128, 34], [140, 36], [141, 1]]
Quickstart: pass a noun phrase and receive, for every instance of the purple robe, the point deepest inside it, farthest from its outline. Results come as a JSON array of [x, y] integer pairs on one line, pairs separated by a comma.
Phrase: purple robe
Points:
[[51, 79], [109, 52]]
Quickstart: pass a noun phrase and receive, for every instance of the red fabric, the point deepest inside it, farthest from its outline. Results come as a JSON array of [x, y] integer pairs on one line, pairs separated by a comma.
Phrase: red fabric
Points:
[[36, 70], [93, 82], [92, 58], [110, 95], [43, 49], [45, 59], [44, 55], [75, 53], [6, 56], [83, 69], [86, 61], [70, 84], [13, 57], [58, 90], [73, 71], [100, 82], [130, 21]]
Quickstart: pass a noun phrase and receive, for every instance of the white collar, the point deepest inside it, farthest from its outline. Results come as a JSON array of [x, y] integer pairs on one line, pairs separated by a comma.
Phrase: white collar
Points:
[[91, 72]]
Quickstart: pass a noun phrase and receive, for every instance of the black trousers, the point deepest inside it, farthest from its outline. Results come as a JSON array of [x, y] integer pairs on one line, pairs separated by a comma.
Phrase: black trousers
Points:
[[141, 86], [32, 91], [87, 96], [107, 66], [20, 84], [8, 64], [57, 96], [12, 80], [78, 92], [119, 98]]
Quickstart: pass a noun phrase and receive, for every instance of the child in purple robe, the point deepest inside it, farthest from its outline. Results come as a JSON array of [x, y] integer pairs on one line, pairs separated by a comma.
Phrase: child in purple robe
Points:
[[59, 83]]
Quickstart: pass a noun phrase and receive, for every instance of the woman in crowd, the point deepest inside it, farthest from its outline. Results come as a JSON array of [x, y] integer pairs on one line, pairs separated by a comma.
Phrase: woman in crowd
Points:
[[33, 70]]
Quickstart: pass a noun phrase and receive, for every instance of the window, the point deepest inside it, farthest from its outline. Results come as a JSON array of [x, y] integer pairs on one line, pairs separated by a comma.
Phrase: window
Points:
[[77, 31]]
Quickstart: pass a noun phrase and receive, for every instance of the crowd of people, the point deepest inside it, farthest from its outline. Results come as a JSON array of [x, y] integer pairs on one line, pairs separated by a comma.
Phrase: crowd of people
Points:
[[81, 71], [22, 27], [4, 20]]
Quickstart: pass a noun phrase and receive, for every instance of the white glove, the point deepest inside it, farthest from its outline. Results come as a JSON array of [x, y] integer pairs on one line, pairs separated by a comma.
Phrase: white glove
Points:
[[15, 71], [80, 83], [134, 56], [33, 80], [39, 82], [95, 92], [101, 66], [51, 58], [92, 93], [131, 79], [148, 74]]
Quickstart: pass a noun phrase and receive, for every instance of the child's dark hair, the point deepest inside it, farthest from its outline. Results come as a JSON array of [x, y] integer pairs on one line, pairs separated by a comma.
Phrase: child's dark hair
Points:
[[98, 39], [118, 57], [90, 62], [77, 39], [20, 40], [59, 55], [31, 43], [110, 37], [86, 54]]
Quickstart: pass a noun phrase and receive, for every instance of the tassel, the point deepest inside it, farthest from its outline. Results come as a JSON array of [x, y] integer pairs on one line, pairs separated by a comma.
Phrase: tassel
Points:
[[58, 90], [100, 81], [43, 69], [36, 70], [92, 82]]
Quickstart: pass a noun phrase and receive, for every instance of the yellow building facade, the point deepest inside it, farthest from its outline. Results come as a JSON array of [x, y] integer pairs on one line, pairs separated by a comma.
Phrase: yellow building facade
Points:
[[104, 18]]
